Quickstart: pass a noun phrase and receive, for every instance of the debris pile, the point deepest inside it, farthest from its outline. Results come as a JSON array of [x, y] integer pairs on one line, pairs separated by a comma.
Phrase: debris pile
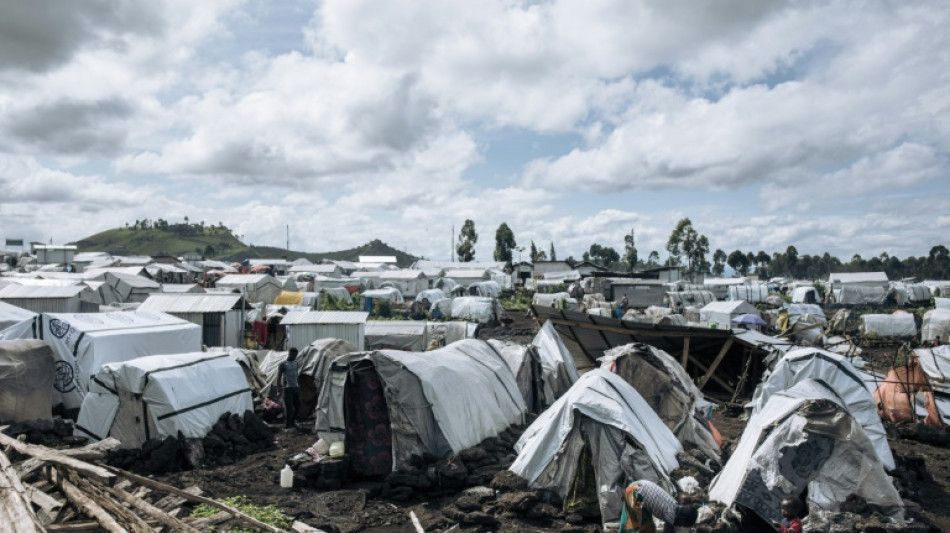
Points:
[[232, 438]]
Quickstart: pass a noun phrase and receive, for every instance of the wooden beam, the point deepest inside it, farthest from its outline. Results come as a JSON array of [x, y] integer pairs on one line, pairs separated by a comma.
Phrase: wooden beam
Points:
[[89, 507], [716, 361], [685, 357], [642, 332], [714, 377], [16, 512], [150, 510], [96, 472]]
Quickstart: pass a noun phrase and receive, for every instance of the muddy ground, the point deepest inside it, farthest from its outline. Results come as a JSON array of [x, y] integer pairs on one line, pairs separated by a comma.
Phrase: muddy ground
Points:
[[367, 506]]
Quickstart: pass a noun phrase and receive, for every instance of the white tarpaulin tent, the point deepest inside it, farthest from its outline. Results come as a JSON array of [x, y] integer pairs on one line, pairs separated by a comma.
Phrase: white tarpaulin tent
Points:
[[386, 293], [665, 385], [525, 364], [888, 326], [26, 380], [477, 309], [804, 438], [805, 295], [439, 402], [750, 292], [859, 295], [936, 324], [722, 313], [160, 395], [557, 300], [935, 362], [313, 365], [627, 441], [83, 342], [833, 369], [408, 335], [17, 323], [556, 361]]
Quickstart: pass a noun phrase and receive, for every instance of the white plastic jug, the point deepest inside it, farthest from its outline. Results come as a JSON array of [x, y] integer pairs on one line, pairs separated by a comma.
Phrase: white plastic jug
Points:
[[336, 449], [322, 446], [287, 477]]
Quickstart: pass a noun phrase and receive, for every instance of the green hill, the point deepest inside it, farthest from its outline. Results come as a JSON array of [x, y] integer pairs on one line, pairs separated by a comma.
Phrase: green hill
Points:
[[214, 242]]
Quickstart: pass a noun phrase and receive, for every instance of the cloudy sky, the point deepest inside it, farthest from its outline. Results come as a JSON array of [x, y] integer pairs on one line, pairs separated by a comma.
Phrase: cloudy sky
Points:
[[824, 125]]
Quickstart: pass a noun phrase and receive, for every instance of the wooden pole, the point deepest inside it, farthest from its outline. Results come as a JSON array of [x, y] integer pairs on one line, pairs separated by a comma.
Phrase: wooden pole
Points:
[[685, 357], [96, 472], [716, 361], [90, 507], [16, 514]]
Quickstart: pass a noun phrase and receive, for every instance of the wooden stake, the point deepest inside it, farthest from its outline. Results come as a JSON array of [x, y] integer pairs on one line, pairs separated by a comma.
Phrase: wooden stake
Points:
[[716, 361], [16, 514], [52, 456], [91, 508]]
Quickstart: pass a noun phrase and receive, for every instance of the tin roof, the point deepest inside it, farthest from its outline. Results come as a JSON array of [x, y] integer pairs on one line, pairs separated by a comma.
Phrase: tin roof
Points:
[[191, 303], [325, 317]]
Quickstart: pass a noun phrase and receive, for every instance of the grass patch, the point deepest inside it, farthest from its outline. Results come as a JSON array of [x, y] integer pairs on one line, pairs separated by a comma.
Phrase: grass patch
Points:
[[268, 514]]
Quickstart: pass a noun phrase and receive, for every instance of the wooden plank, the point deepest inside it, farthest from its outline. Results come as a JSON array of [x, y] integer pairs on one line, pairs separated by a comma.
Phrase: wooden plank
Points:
[[248, 520], [74, 527], [685, 358], [91, 508], [16, 513], [122, 515], [714, 377], [52, 456], [90, 452], [715, 364], [150, 510], [48, 506]]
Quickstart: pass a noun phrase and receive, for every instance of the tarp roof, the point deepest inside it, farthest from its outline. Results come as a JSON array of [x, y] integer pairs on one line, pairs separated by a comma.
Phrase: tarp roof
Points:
[[29, 291], [191, 303], [246, 279], [858, 277]]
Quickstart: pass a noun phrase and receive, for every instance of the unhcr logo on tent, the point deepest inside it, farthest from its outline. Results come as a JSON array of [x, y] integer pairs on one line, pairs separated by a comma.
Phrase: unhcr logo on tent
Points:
[[58, 328], [63, 377]]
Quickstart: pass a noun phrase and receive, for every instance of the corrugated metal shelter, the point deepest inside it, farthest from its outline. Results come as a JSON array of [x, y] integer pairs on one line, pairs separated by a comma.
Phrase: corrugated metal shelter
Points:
[[221, 316], [180, 288], [329, 270], [42, 299], [305, 327]]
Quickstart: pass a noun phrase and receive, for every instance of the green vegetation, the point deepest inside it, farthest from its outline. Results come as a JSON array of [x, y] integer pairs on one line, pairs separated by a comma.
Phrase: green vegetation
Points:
[[268, 514]]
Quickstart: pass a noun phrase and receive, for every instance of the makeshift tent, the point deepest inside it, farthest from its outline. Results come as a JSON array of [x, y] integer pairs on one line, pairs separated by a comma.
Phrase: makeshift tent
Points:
[[298, 299], [179, 288], [487, 289], [665, 385], [804, 438], [557, 300], [408, 335], [409, 282], [805, 295], [936, 324], [910, 293], [903, 389], [556, 361], [678, 301], [390, 406], [722, 313], [26, 379], [221, 316], [161, 395], [525, 364], [17, 323], [255, 287], [83, 342], [477, 309], [805, 322], [391, 294], [599, 436], [750, 292], [119, 287], [433, 295], [859, 295], [833, 369], [313, 365], [898, 325]]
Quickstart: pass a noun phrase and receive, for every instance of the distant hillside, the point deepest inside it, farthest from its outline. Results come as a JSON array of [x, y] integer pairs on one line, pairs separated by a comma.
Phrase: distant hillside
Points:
[[214, 242]]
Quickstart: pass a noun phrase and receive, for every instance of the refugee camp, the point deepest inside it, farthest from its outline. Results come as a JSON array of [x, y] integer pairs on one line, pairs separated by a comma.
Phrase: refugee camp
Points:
[[346, 266]]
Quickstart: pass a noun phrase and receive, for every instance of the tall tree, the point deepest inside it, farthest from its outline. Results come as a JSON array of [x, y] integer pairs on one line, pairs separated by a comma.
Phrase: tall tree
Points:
[[504, 243], [629, 251], [719, 262], [553, 255], [739, 262], [606, 255], [534, 252], [685, 242], [467, 239], [654, 258]]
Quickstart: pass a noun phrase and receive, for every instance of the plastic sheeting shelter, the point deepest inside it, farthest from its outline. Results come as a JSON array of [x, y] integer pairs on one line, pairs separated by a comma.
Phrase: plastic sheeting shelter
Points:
[[859, 295], [750, 292], [313, 366], [837, 372], [477, 309], [17, 323], [936, 324], [486, 289], [805, 295], [898, 325], [26, 379], [389, 406], [906, 394], [84, 342], [678, 301], [604, 419], [160, 395], [391, 294], [525, 364], [663, 384], [406, 335], [722, 313], [556, 361], [255, 287], [804, 438]]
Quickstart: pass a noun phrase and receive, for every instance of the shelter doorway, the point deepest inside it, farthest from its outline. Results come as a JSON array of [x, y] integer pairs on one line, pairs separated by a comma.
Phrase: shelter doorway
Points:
[[211, 329], [369, 439]]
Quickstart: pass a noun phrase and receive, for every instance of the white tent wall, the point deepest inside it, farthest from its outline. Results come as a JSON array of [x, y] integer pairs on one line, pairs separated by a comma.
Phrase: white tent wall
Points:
[[477, 309], [836, 371], [408, 335], [83, 342], [804, 437], [628, 441], [936, 324], [305, 327], [807, 295], [162, 395], [900, 325], [26, 380], [525, 364], [722, 313], [859, 295], [17, 323], [559, 369], [750, 292], [678, 301]]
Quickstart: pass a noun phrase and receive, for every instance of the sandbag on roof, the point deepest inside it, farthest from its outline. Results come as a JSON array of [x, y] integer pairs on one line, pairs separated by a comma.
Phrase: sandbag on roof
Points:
[[26, 380], [160, 395], [804, 438], [812, 363], [669, 390], [438, 402], [626, 438], [313, 366], [557, 362]]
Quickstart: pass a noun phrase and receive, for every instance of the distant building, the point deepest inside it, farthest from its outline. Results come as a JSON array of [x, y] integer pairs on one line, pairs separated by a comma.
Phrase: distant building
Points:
[[54, 254]]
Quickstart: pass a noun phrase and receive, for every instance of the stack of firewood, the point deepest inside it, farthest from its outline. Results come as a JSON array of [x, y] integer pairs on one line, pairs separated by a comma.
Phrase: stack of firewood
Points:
[[42, 489]]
